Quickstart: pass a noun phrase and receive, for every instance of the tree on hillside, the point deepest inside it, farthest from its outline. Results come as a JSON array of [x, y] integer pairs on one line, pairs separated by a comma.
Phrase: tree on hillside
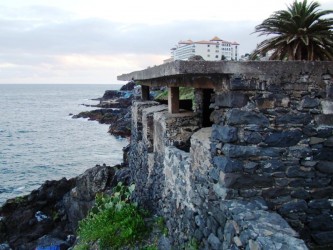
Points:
[[299, 33]]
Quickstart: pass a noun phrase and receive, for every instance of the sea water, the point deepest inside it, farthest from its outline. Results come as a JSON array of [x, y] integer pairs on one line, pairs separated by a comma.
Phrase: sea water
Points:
[[40, 141]]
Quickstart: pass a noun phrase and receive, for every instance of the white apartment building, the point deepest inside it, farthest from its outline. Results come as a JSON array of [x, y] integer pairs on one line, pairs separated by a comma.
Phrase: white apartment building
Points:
[[215, 49]]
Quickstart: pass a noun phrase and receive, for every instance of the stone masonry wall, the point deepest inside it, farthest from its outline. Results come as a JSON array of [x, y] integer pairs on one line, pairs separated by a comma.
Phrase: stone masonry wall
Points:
[[179, 188], [272, 138], [153, 130], [264, 165], [139, 149]]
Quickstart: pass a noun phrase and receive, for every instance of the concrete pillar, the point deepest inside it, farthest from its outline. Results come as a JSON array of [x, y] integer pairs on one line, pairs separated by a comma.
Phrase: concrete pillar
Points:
[[173, 100], [145, 92]]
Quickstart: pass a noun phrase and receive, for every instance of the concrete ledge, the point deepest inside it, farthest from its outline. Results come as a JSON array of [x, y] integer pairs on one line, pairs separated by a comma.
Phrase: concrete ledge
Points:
[[178, 68]]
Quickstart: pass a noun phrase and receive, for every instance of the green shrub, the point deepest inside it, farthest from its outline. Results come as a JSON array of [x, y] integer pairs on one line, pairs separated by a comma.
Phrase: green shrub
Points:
[[81, 247], [114, 222]]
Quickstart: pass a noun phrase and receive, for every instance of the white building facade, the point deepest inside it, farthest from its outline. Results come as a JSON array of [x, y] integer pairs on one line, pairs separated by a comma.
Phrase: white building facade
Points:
[[215, 49]]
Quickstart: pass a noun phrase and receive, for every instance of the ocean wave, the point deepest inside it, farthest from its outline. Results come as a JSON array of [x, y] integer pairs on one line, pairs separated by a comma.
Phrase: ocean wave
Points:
[[26, 131], [5, 189], [19, 189]]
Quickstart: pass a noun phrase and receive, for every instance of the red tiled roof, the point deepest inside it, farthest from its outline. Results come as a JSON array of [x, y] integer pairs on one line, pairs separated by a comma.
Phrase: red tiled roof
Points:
[[212, 41], [215, 38]]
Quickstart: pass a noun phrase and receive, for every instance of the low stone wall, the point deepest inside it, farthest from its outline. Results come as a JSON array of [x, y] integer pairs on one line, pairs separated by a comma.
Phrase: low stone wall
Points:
[[177, 185], [153, 130]]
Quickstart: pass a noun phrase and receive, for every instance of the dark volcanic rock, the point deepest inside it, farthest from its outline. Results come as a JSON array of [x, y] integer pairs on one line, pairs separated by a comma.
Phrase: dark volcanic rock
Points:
[[128, 86], [51, 213], [227, 165], [284, 138], [119, 119], [111, 94], [240, 117], [224, 133], [324, 238], [114, 110], [294, 119], [80, 199], [24, 227], [121, 125], [117, 103], [293, 207]]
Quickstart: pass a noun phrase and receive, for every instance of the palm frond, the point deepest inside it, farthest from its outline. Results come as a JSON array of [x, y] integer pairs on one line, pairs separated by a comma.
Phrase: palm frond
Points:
[[299, 33]]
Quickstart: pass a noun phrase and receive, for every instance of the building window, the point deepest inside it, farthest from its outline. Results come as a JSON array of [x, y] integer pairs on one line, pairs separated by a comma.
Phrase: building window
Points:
[[216, 56], [208, 50], [217, 46], [208, 55], [216, 51], [208, 45]]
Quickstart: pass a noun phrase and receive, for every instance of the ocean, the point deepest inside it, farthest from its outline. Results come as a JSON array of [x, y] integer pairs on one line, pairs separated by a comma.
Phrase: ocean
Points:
[[40, 141]]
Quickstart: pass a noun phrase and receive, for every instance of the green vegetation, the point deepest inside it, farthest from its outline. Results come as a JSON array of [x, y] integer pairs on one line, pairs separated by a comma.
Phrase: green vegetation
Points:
[[192, 245], [185, 93], [20, 199], [150, 248], [160, 222], [55, 215], [84, 246], [299, 33], [113, 222]]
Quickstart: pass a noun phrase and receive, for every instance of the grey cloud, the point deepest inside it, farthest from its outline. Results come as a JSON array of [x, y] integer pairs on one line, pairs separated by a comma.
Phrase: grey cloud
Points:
[[98, 36], [30, 40], [37, 12]]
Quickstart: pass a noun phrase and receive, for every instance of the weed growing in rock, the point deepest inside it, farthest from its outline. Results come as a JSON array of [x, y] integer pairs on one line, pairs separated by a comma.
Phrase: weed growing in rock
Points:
[[192, 245], [114, 222], [160, 222]]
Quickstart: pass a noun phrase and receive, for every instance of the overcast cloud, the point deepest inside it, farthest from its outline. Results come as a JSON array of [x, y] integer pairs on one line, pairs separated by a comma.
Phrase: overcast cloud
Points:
[[49, 43]]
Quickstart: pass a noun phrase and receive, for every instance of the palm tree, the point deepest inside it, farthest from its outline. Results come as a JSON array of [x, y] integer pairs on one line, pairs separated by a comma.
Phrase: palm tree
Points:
[[300, 33]]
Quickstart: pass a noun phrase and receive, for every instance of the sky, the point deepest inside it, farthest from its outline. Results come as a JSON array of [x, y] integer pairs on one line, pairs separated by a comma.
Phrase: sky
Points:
[[93, 41]]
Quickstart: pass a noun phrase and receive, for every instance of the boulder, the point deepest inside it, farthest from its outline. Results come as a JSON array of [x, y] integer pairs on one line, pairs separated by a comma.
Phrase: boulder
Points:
[[128, 86], [111, 94], [81, 198]]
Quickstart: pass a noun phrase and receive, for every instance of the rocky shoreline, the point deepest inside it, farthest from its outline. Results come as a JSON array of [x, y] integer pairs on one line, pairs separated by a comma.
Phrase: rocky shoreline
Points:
[[114, 109], [50, 214]]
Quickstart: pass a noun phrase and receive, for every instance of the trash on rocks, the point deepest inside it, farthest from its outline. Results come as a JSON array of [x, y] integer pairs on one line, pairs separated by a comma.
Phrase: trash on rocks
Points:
[[40, 216]]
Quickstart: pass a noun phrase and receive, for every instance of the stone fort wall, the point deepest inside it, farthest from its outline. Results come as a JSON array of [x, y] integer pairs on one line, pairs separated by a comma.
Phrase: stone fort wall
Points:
[[259, 178]]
